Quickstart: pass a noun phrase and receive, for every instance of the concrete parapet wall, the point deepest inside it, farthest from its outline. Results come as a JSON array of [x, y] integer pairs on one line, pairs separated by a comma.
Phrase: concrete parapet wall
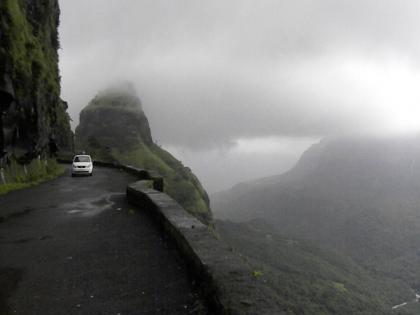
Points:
[[227, 282], [141, 174]]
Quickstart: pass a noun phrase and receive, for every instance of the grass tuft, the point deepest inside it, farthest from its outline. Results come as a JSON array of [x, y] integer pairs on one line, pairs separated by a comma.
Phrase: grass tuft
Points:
[[24, 176]]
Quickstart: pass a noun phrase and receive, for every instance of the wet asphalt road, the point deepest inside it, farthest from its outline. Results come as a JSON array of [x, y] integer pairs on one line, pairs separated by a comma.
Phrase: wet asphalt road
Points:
[[78, 247]]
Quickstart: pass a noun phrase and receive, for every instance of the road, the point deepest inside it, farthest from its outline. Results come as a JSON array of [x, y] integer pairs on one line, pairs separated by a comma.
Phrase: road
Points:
[[75, 246]]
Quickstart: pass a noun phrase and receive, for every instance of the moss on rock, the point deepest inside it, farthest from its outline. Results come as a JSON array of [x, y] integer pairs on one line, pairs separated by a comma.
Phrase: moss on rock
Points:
[[33, 114]]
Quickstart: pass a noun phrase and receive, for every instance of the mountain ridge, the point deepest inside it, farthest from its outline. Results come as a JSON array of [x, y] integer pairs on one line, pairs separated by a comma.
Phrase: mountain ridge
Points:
[[357, 196]]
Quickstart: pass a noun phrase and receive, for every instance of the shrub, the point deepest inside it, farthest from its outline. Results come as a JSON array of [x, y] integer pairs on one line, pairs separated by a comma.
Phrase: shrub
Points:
[[18, 176]]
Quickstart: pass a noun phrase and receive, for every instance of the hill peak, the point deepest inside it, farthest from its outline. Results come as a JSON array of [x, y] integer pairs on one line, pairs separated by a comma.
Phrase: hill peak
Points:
[[120, 95]]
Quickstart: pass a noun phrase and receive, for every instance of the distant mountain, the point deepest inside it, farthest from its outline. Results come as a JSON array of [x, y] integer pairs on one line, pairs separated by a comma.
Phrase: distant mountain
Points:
[[113, 127], [357, 196]]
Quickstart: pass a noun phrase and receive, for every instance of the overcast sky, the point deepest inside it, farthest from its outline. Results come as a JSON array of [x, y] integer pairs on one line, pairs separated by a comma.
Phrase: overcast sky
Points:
[[238, 89]]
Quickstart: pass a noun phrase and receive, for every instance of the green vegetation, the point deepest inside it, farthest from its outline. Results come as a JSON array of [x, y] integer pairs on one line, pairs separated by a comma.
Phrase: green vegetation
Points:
[[113, 127], [18, 177], [309, 280], [358, 197], [29, 60], [257, 273], [31, 45], [180, 183]]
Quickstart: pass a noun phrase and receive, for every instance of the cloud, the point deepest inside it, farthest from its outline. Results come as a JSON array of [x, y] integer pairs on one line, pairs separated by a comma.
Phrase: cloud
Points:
[[221, 168], [210, 73]]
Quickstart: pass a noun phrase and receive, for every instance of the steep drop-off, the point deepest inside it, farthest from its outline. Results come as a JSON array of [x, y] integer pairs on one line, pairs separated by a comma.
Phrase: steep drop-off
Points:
[[357, 196], [307, 279], [113, 127], [33, 118]]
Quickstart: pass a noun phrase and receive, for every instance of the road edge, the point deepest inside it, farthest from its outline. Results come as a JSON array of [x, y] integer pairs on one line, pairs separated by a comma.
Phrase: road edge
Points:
[[225, 280]]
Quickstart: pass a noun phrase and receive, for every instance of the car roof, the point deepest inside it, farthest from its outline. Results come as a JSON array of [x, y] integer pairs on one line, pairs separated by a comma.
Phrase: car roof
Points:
[[82, 155]]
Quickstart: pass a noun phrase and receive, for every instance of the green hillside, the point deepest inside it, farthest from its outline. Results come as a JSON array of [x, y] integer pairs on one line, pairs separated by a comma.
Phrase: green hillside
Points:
[[308, 279], [113, 127], [358, 197]]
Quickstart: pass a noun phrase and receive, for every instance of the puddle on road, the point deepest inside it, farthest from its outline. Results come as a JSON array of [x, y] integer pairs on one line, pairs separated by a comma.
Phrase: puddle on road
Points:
[[91, 206], [74, 211], [66, 189], [102, 202]]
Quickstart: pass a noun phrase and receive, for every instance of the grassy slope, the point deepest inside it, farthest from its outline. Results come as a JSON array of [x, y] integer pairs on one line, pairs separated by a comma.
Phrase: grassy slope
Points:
[[38, 171], [180, 183], [127, 143], [357, 200], [310, 280]]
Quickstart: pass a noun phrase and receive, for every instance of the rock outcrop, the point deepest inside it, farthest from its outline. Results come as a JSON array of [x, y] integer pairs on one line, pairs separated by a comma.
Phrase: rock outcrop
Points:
[[33, 118], [114, 128]]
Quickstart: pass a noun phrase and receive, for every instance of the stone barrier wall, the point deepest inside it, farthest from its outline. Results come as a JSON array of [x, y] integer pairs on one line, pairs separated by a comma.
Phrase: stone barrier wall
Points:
[[226, 281]]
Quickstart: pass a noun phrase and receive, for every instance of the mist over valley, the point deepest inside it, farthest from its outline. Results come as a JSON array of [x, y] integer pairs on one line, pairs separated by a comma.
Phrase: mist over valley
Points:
[[223, 157]]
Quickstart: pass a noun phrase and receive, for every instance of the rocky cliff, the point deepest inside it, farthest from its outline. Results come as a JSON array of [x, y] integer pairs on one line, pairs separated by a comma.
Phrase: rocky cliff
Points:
[[33, 118], [113, 127]]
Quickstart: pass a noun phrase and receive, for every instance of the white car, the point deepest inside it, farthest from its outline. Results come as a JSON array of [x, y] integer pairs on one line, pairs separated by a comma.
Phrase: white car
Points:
[[82, 164]]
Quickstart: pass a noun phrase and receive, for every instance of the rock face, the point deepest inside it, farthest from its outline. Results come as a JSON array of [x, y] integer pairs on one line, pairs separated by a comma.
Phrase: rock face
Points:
[[33, 118], [114, 119], [113, 127]]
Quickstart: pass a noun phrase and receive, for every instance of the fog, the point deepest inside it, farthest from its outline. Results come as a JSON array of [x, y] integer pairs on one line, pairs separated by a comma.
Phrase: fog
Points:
[[239, 89]]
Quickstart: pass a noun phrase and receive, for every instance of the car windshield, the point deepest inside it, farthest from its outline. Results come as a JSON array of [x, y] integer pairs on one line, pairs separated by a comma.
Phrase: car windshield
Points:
[[82, 159]]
